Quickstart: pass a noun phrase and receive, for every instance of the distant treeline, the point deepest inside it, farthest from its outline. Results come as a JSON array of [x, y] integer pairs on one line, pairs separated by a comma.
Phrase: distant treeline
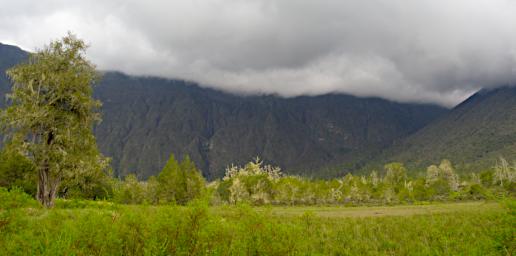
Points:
[[259, 184]]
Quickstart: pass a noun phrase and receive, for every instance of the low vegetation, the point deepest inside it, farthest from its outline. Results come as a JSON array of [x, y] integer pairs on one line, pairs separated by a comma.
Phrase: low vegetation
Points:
[[259, 184], [84, 227]]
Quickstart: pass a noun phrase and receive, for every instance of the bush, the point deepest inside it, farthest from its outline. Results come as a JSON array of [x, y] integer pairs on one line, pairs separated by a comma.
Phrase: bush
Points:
[[252, 183], [475, 192], [129, 191], [17, 171], [16, 198], [82, 204]]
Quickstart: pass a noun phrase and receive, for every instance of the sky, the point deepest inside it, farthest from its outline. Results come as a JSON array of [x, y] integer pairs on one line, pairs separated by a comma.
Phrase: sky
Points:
[[431, 51]]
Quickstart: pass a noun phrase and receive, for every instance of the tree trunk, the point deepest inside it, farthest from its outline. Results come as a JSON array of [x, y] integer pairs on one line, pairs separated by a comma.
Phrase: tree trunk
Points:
[[47, 187]]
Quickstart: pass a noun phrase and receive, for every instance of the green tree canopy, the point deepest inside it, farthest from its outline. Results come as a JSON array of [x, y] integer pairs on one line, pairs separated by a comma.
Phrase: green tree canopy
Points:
[[51, 113], [179, 182], [169, 180], [16, 170], [396, 173]]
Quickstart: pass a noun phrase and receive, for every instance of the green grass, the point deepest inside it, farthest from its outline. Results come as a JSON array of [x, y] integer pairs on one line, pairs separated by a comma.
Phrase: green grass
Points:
[[375, 211], [474, 228]]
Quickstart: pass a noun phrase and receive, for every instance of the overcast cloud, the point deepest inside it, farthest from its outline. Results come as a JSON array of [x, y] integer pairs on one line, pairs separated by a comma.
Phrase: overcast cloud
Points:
[[420, 51]]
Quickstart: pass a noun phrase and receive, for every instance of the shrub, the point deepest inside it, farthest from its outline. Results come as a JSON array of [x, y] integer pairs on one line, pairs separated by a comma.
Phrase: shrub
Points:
[[129, 191], [15, 198], [17, 171], [252, 183]]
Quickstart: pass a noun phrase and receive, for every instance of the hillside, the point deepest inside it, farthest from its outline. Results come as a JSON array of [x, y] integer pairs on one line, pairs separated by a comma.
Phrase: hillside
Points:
[[473, 135], [145, 119], [148, 118], [9, 56]]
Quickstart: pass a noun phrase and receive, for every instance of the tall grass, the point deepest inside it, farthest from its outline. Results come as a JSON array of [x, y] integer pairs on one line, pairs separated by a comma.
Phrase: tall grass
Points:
[[196, 229]]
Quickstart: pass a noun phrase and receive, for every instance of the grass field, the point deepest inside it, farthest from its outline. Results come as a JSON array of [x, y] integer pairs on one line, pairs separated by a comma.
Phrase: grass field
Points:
[[473, 228], [380, 211]]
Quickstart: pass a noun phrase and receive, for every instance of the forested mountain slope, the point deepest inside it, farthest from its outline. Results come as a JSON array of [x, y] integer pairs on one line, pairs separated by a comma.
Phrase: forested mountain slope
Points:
[[9, 56], [145, 119], [473, 135]]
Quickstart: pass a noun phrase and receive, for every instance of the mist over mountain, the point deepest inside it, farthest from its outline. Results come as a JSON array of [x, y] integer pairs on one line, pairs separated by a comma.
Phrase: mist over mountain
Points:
[[145, 119], [410, 51]]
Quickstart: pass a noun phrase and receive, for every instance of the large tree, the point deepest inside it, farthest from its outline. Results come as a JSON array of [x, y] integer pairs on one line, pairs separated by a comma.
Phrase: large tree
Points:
[[51, 113]]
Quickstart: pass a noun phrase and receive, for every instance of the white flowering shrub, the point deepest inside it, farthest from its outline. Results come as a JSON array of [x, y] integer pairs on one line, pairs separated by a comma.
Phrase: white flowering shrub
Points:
[[258, 184], [504, 173], [442, 178], [252, 183], [289, 190]]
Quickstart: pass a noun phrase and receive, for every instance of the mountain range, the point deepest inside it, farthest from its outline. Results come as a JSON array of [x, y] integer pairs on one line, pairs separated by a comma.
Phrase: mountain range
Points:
[[145, 119], [473, 135]]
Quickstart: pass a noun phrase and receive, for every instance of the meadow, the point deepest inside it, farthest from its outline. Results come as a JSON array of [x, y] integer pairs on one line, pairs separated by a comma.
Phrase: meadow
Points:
[[255, 210], [83, 227]]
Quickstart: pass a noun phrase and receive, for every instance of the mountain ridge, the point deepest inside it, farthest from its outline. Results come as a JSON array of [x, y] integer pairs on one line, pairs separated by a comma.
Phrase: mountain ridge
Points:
[[473, 135], [255, 120], [145, 119]]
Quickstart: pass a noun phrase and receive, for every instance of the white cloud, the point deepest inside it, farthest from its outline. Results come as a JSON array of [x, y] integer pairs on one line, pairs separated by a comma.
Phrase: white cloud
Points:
[[427, 51]]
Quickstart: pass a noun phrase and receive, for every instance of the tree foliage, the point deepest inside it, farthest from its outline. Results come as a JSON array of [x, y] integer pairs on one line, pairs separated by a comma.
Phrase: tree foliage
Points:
[[51, 113], [258, 184], [130, 191], [17, 171], [252, 183], [179, 183], [442, 179]]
